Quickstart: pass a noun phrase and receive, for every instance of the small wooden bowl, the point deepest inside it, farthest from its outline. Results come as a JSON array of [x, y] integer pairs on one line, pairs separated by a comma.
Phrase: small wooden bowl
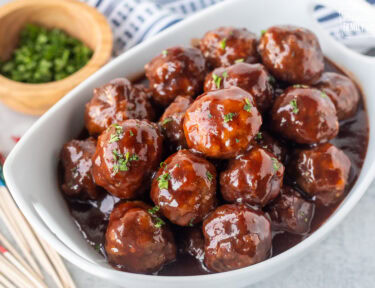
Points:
[[75, 18]]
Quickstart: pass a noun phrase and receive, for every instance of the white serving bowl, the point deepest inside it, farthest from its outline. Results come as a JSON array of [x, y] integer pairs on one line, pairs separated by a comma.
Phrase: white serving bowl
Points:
[[30, 170]]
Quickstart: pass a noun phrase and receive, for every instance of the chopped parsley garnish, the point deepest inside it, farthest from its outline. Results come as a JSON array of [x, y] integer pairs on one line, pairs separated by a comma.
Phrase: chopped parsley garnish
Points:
[[118, 133], [225, 74], [237, 141], [163, 181], [239, 60], [259, 136], [293, 103], [97, 247], [300, 86], [154, 209], [229, 117], [323, 94], [131, 133], [276, 164], [159, 222], [209, 115], [209, 176], [122, 163], [248, 105], [177, 165], [217, 80], [163, 164], [262, 32], [166, 120], [164, 52], [191, 224], [223, 43]]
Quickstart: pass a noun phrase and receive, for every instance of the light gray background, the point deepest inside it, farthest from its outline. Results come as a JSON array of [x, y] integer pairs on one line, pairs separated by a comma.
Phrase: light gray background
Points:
[[346, 259]]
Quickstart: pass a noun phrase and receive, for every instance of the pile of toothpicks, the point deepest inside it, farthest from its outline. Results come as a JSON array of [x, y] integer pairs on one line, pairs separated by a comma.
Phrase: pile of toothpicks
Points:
[[23, 270]]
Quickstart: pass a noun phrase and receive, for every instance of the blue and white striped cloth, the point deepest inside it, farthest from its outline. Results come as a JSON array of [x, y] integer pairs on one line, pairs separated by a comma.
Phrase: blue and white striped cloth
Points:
[[133, 21]]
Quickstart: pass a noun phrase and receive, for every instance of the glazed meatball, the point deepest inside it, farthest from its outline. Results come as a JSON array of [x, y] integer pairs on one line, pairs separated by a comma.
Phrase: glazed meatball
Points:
[[266, 141], [185, 188], [290, 212], [227, 45], [222, 123], [254, 178], [292, 54], [76, 161], [322, 172], [172, 122], [305, 115], [177, 71], [117, 101], [253, 78], [126, 155], [137, 240], [342, 91], [236, 236]]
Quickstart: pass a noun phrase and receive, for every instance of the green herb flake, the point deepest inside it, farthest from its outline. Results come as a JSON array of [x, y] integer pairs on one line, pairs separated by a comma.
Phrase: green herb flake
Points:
[[225, 74], [300, 86], [153, 210], [237, 140], [217, 80], [131, 133], [159, 222], [209, 176], [262, 32], [163, 164], [122, 163], [166, 120], [323, 94], [229, 117], [97, 247], [223, 43], [259, 136], [248, 105], [163, 181], [209, 115], [118, 133], [275, 164], [164, 52], [240, 60], [294, 105], [191, 222]]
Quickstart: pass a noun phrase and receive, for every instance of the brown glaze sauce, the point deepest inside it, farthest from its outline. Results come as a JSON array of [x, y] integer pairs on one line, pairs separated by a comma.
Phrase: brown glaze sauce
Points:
[[91, 216]]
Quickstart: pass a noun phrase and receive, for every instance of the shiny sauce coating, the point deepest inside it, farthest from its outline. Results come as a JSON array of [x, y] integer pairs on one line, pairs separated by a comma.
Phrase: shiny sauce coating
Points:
[[92, 216]]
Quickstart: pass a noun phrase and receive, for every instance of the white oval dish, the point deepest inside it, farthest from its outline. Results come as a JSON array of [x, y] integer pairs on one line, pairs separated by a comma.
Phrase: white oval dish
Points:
[[30, 170]]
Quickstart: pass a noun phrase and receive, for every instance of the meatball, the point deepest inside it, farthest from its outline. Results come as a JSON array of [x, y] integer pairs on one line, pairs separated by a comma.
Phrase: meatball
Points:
[[305, 115], [137, 240], [177, 71], [322, 172], [290, 212], [185, 188], [254, 178], [172, 122], [266, 141], [342, 91], [227, 45], [236, 236], [117, 101], [253, 78], [126, 156], [222, 123], [76, 161], [292, 54]]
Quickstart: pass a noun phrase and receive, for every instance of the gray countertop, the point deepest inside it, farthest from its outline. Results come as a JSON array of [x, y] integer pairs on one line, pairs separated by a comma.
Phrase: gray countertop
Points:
[[346, 259]]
